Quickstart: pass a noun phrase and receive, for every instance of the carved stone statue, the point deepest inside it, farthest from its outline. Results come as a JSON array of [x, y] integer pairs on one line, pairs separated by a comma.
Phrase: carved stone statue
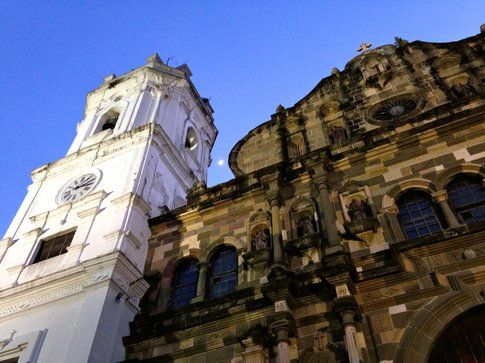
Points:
[[260, 240], [304, 226], [337, 134], [400, 42], [358, 209]]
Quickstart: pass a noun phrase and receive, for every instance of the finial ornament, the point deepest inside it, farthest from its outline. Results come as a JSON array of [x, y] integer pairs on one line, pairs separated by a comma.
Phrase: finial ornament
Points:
[[363, 47], [335, 71]]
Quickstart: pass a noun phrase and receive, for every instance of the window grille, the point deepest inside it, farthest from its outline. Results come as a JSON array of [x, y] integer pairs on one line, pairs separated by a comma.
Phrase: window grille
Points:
[[224, 272], [417, 215], [467, 198], [54, 247], [184, 287]]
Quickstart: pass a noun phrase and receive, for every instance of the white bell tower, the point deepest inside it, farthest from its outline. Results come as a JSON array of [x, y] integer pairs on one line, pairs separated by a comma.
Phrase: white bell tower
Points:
[[71, 262]]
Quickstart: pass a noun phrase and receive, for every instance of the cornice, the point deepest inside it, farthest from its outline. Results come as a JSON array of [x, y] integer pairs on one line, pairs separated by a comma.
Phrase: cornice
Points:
[[131, 199], [399, 141], [81, 278], [98, 150]]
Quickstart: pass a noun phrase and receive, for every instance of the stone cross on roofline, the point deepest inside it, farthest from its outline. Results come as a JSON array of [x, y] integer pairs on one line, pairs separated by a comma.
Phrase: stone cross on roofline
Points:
[[363, 47]]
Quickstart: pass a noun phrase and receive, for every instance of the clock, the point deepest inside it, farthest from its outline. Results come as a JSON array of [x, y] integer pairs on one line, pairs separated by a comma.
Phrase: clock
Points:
[[77, 188]]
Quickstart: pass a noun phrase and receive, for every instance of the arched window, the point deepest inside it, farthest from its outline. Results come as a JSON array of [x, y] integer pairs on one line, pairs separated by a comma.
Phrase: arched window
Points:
[[184, 286], [224, 272], [467, 197], [191, 139], [417, 214], [108, 121]]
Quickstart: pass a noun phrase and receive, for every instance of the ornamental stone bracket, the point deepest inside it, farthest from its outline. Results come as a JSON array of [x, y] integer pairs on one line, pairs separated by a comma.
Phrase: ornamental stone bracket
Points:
[[317, 166], [297, 246], [336, 260], [258, 259], [257, 341], [280, 289], [361, 225], [347, 303], [254, 352], [342, 283]]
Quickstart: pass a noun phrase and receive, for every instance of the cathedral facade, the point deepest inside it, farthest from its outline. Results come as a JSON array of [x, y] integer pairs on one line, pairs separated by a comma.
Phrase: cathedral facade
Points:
[[353, 231]]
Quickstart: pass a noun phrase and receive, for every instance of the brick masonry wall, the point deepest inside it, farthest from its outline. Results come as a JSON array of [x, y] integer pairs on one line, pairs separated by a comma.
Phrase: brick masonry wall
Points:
[[392, 280]]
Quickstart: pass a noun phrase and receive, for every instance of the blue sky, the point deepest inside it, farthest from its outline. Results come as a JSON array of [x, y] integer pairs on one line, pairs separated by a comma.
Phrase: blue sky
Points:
[[246, 56]]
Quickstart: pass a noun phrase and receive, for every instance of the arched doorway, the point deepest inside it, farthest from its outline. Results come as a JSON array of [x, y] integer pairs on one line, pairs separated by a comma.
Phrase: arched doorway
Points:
[[463, 341]]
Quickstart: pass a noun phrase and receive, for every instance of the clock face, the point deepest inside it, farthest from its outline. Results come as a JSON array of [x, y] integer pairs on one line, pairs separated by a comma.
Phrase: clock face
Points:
[[78, 188]]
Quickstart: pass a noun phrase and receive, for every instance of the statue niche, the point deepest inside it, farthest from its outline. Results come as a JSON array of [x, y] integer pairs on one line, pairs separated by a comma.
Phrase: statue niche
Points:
[[260, 238], [358, 209], [359, 217], [304, 235], [463, 87], [296, 146], [337, 134], [258, 241], [376, 70], [305, 226]]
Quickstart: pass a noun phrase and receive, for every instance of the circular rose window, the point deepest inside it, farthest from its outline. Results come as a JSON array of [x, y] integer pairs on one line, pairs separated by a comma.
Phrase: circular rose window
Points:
[[395, 109]]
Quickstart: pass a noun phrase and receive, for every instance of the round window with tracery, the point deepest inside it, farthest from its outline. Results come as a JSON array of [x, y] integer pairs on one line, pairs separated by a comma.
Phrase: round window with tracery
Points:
[[395, 110]]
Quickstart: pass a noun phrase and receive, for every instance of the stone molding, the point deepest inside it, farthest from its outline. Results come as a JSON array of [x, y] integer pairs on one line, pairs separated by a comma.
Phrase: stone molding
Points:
[[425, 327], [131, 199], [465, 168], [86, 156], [25, 347], [90, 274]]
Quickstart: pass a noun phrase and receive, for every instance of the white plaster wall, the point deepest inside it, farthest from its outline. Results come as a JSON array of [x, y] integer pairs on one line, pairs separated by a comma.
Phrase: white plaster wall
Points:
[[58, 318], [79, 327]]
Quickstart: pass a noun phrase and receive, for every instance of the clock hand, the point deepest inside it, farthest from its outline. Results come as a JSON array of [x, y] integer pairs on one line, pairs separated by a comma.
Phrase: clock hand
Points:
[[82, 185]]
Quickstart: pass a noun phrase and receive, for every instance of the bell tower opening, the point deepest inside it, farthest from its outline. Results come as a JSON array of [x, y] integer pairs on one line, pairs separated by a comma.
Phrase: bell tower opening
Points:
[[108, 121], [191, 140]]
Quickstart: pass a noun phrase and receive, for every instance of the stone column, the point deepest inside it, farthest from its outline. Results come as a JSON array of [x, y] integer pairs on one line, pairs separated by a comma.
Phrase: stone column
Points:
[[328, 211], [350, 337], [201, 282], [390, 214], [276, 230], [441, 197], [253, 353], [283, 347]]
